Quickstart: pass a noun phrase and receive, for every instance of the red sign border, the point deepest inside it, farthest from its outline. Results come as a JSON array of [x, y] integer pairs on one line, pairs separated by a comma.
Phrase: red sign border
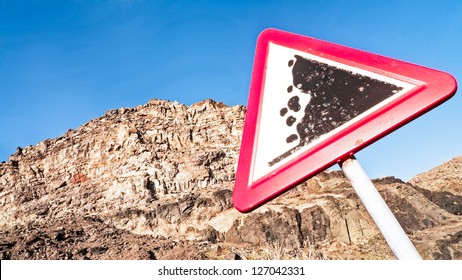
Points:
[[433, 87]]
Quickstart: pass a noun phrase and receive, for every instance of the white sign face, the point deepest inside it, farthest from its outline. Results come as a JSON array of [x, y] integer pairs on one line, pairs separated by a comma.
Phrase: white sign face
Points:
[[307, 98]]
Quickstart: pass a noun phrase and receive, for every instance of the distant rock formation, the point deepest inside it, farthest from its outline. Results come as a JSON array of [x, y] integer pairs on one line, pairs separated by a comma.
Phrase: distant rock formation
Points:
[[155, 182], [446, 177]]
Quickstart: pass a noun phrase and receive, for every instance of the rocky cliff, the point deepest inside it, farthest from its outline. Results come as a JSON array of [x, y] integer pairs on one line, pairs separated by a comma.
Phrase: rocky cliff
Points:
[[155, 182]]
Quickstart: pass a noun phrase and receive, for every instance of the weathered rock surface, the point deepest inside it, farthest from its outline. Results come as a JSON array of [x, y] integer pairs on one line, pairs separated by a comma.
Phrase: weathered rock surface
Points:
[[446, 177], [155, 182]]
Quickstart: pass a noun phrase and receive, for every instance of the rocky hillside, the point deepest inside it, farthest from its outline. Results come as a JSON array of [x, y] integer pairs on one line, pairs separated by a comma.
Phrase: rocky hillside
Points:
[[155, 182], [446, 177]]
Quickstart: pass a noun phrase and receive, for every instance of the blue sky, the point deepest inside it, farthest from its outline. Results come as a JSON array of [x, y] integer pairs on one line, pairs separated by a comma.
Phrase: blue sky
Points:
[[63, 63]]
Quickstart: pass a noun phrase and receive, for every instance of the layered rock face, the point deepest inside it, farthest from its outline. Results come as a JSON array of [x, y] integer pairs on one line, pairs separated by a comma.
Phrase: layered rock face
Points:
[[155, 182]]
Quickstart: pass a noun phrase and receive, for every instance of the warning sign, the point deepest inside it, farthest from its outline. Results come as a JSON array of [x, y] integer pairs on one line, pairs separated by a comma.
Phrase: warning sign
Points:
[[313, 103]]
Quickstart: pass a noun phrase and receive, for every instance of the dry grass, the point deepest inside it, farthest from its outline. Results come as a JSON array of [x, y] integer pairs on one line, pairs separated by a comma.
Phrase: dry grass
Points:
[[279, 251]]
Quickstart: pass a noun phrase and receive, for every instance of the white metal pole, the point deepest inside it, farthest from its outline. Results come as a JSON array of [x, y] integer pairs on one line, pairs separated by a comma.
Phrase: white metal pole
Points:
[[388, 225]]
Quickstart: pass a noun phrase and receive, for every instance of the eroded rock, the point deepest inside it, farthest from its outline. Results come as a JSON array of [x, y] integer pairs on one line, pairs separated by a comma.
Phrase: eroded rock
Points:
[[155, 182]]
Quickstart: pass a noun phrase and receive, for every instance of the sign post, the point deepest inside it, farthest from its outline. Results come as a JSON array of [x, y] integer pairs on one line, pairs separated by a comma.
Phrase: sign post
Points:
[[313, 104], [387, 223]]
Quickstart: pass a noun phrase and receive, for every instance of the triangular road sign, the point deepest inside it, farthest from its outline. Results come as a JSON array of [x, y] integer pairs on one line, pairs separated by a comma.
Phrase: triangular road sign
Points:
[[313, 104]]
